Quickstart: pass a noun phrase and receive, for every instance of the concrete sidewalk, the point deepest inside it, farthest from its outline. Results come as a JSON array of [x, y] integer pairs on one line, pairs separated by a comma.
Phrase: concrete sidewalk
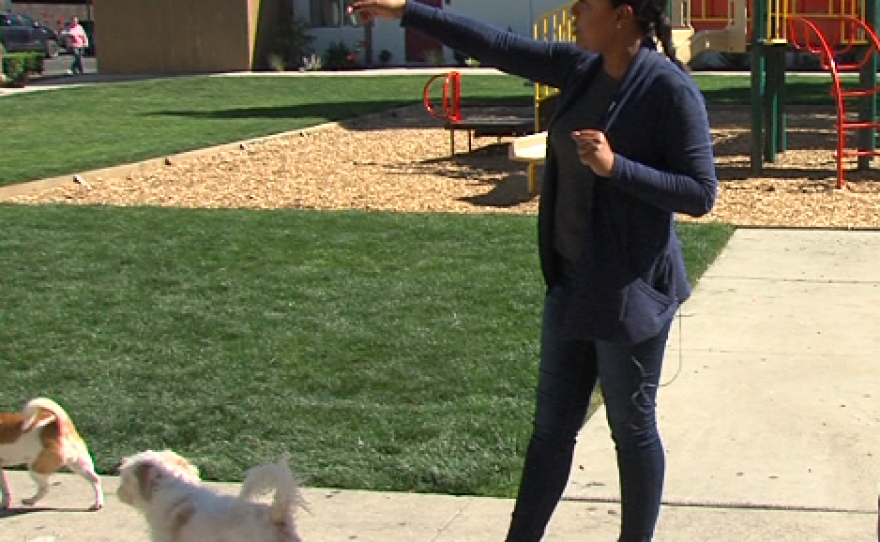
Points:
[[61, 81], [769, 419]]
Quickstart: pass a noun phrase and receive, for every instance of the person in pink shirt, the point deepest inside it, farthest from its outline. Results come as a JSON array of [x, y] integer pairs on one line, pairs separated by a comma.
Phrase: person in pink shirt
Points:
[[78, 43]]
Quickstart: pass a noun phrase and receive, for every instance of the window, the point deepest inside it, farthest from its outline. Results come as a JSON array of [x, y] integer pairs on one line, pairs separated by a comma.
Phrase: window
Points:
[[324, 13], [17, 20]]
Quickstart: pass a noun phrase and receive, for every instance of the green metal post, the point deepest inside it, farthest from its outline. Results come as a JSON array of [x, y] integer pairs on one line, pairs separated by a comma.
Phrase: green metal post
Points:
[[868, 79], [759, 66], [781, 111], [758, 62], [775, 66]]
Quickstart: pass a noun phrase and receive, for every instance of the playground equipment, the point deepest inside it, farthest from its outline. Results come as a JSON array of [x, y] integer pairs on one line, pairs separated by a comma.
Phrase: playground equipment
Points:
[[841, 25], [531, 150], [483, 121], [708, 26], [766, 29], [701, 26], [807, 34]]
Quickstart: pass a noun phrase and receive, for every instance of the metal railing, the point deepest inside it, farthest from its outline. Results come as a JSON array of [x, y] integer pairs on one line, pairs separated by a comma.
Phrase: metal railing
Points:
[[555, 25], [828, 14]]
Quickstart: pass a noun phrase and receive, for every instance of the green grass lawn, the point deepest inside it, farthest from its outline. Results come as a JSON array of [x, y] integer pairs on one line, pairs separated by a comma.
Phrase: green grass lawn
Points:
[[735, 88], [65, 131], [383, 351]]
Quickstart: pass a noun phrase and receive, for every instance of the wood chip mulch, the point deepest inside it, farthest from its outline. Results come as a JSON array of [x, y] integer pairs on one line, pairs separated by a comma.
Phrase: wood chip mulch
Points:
[[400, 161]]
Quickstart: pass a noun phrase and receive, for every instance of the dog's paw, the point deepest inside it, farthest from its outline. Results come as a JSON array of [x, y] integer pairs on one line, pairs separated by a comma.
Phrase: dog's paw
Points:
[[28, 502], [95, 507]]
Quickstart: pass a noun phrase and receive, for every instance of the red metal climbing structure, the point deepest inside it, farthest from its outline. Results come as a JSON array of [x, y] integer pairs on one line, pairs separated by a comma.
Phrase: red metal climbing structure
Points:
[[831, 39]]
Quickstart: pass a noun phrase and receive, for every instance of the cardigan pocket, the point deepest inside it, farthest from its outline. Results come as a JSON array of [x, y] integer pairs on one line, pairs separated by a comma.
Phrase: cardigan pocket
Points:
[[645, 311]]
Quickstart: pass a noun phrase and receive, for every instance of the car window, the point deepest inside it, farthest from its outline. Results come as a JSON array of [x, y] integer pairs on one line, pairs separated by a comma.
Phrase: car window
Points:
[[4, 20], [26, 21]]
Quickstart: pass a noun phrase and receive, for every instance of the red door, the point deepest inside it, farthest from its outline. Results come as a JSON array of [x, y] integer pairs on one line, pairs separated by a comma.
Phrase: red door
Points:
[[419, 47]]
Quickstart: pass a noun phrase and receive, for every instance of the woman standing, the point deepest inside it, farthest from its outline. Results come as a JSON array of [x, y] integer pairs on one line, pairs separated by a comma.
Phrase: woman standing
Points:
[[79, 41], [628, 147]]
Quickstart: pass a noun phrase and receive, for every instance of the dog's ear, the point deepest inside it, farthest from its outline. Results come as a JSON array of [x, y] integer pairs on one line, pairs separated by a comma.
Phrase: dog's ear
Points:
[[186, 468], [147, 474]]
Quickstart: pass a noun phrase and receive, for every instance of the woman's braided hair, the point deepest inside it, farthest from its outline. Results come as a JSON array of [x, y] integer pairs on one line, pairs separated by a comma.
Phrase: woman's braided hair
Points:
[[654, 23]]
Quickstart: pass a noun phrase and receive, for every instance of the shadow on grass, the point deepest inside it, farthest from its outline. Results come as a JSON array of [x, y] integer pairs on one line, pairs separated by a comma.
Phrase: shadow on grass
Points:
[[335, 111], [802, 92], [348, 112]]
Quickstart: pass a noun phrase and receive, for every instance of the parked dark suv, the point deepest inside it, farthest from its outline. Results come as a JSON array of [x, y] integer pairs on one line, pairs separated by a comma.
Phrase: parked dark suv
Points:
[[21, 33]]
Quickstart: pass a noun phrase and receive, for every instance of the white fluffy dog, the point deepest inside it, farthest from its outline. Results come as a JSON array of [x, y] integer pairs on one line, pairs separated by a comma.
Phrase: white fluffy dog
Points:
[[166, 488]]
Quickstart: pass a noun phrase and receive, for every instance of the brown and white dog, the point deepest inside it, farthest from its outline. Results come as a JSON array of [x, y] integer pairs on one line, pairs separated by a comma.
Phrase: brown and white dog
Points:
[[43, 437], [178, 508]]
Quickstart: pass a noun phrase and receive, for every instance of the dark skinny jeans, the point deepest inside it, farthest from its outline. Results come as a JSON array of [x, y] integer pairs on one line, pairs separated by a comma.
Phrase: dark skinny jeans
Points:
[[568, 373], [77, 65]]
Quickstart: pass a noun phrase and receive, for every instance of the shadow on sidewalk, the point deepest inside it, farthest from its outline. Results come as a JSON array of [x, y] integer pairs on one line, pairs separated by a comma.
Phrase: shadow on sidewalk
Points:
[[13, 512]]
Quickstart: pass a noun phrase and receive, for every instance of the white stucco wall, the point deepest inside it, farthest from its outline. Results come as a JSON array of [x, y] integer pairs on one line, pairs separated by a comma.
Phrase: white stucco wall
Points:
[[517, 15]]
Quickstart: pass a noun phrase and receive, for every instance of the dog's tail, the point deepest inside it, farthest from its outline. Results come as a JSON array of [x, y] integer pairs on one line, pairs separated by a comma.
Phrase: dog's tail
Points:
[[33, 410], [263, 479]]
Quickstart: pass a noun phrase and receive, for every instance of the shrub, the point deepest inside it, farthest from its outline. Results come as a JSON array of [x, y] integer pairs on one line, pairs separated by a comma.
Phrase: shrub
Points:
[[14, 69], [18, 67], [434, 57], [339, 56], [33, 62], [276, 63], [291, 43], [463, 60]]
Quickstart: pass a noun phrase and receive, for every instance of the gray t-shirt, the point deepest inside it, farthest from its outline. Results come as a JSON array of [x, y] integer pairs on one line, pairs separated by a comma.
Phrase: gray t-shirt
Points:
[[574, 198]]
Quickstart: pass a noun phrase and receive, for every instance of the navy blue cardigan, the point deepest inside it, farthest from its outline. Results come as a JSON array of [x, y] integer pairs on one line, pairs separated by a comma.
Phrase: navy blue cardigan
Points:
[[631, 277]]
